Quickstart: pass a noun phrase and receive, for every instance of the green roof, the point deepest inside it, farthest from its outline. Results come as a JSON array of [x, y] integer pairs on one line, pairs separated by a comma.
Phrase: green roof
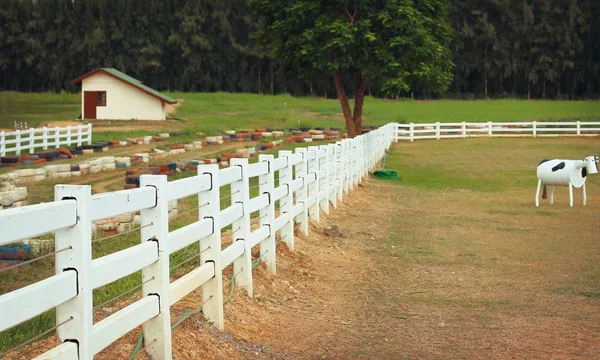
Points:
[[131, 81], [135, 82]]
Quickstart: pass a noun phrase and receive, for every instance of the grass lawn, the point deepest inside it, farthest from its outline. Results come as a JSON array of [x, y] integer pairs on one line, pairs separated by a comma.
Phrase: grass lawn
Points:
[[213, 112]]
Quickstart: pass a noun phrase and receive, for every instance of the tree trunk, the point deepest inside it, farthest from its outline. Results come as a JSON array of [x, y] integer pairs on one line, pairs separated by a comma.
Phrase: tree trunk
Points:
[[485, 71], [272, 83], [359, 100], [528, 89], [544, 89], [259, 85], [343, 97]]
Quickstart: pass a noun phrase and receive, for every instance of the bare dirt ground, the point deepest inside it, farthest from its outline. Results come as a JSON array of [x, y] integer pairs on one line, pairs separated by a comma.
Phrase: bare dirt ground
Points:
[[418, 274]]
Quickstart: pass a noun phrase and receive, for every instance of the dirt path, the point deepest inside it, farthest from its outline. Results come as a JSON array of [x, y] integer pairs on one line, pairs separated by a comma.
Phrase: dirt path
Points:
[[419, 274]]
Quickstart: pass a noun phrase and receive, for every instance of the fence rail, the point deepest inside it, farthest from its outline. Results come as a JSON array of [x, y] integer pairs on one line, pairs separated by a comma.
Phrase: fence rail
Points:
[[438, 130], [15, 142], [310, 180]]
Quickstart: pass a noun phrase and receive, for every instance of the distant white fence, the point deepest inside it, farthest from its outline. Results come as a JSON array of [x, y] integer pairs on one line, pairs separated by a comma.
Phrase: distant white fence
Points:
[[44, 138], [310, 180], [438, 130]]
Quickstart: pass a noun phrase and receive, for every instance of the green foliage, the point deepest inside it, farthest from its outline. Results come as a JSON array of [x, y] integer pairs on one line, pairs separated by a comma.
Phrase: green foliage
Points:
[[392, 43], [516, 48]]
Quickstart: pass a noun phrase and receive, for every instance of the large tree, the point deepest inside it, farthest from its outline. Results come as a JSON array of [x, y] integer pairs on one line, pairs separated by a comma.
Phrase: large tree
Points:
[[395, 43]]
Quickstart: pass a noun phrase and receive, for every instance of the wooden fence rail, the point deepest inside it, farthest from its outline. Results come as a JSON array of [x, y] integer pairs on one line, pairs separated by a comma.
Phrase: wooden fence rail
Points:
[[310, 181], [15, 142], [438, 130]]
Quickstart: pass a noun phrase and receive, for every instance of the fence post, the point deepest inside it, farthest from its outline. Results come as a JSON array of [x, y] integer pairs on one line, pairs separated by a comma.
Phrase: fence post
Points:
[[302, 193], [355, 162], [313, 188], [323, 160], [397, 132], [578, 127], [79, 258], [79, 135], [339, 155], [489, 123], [437, 130], [411, 131], [332, 183], [68, 142], [266, 185], [2, 143], [464, 129], [209, 203], [286, 203], [240, 193], [57, 137], [31, 140], [45, 138], [346, 164], [534, 129], [155, 277], [89, 137], [18, 143]]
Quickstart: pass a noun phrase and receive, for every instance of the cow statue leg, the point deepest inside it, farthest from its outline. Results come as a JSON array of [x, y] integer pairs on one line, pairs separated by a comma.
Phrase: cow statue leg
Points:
[[552, 195], [584, 195], [570, 194], [537, 193]]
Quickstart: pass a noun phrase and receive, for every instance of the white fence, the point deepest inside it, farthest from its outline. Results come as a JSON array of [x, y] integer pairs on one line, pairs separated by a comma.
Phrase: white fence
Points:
[[438, 130], [23, 140], [310, 181]]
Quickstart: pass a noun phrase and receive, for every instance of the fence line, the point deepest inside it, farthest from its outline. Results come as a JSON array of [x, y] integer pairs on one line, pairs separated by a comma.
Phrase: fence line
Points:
[[439, 130], [43, 138], [311, 181]]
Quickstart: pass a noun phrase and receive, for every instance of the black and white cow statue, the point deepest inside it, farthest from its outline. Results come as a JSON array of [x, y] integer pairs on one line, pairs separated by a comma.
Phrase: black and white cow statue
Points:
[[571, 173]]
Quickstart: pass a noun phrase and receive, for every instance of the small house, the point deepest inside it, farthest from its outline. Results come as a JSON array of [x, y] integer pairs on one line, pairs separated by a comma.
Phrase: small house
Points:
[[109, 94]]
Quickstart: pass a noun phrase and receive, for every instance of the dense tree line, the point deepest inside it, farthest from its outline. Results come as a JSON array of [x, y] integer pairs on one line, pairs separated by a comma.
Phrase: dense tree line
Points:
[[500, 48]]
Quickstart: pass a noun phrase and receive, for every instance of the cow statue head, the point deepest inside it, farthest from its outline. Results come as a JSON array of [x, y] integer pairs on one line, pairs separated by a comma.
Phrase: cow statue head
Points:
[[591, 164]]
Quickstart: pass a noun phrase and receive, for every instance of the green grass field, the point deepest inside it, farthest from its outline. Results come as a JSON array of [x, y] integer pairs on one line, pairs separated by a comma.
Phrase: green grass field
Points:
[[211, 112]]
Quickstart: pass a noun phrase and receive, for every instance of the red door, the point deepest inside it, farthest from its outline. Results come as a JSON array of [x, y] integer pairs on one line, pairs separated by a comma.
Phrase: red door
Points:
[[89, 104]]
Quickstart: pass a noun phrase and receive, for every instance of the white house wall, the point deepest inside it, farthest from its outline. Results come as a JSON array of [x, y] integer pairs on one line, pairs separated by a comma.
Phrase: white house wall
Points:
[[123, 101]]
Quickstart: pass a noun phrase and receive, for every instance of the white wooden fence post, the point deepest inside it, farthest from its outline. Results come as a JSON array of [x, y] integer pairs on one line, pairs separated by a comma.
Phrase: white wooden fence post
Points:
[[18, 143], [464, 129], [69, 135], [534, 129], [346, 164], [355, 162], [339, 155], [2, 143], [286, 203], [79, 258], [396, 132], [155, 277], [45, 138], [79, 135], [437, 130], [411, 132], [489, 123], [57, 137], [332, 184], [302, 193], [323, 161], [313, 188], [240, 193], [209, 203], [578, 127], [31, 140], [268, 247], [89, 134]]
